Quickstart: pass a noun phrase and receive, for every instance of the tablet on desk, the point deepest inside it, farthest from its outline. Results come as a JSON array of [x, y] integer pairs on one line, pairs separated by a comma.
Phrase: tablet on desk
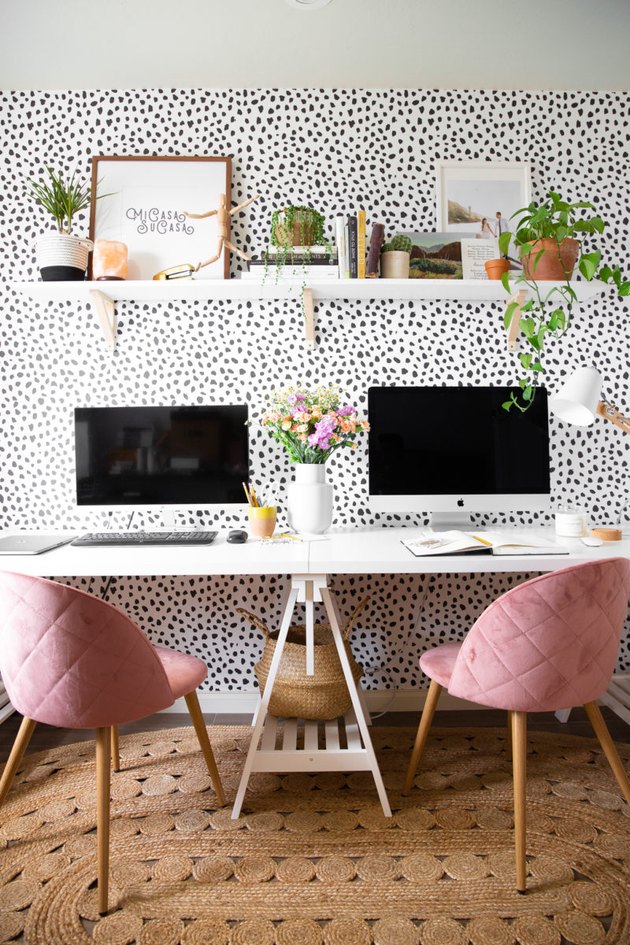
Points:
[[31, 544]]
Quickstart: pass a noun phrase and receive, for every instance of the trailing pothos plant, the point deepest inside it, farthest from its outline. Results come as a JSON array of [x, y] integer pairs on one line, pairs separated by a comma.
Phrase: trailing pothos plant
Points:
[[295, 226], [547, 313]]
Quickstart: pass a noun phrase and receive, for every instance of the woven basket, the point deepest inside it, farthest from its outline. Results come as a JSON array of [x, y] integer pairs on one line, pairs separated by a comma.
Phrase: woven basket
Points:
[[295, 695]]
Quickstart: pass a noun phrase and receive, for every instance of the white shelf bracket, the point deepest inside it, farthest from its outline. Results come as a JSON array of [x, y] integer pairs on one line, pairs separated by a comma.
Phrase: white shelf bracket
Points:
[[308, 307], [106, 311], [515, 322]]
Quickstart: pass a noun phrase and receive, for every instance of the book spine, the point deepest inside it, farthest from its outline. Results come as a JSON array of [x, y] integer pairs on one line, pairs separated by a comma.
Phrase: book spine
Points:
[[295, 261], [346, 250], [361, 244], [352, 245], [291, 275], [376, 242], [340, 235]]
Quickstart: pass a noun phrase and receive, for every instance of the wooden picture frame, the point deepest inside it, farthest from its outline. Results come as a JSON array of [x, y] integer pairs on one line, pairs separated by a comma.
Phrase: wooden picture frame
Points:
[[144, 209]]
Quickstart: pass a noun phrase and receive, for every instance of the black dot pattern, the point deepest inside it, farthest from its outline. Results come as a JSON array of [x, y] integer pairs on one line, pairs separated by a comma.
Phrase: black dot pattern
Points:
[[337, 150]]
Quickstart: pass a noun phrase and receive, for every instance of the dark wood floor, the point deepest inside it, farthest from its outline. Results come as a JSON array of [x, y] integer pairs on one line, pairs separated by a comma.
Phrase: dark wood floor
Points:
[[47, 737]]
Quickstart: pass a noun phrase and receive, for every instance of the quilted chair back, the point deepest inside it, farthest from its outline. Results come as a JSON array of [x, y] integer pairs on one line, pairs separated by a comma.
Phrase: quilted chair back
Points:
[[72, 660], [548, 644]]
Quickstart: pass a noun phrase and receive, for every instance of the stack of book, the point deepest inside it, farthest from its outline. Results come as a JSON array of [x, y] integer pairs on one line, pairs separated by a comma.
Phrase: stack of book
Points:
[[355, 262], [277, 264]]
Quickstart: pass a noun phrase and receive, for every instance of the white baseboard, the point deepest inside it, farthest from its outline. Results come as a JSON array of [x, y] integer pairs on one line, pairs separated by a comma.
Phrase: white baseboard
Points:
[[244, 703]]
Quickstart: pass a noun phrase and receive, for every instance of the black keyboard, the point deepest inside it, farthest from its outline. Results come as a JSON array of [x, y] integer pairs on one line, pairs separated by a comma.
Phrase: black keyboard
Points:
[[146, 538]]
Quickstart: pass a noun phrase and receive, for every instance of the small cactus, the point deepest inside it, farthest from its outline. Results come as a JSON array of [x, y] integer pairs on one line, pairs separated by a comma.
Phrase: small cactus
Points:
[[401, 244]]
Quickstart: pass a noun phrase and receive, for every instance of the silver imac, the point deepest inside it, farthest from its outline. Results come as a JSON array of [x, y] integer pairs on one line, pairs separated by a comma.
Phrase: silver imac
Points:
[[455, 450]]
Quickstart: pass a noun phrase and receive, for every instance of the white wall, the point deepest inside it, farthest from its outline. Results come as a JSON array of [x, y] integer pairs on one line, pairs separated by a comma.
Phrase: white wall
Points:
[[456, 44]]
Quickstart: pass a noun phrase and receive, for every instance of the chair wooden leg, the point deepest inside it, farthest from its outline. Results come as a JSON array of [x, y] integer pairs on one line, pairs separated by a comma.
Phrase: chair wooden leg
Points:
[[199, 724], [608, 746], [20, 745], [519, 767], [115, 749], [423, 731], [103, 752]]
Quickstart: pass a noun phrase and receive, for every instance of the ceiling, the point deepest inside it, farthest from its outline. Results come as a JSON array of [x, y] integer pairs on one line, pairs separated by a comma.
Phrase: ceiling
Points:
[[474, 44]]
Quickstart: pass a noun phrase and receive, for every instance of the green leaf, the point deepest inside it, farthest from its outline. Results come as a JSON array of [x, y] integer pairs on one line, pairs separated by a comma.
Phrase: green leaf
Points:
[[605, 274], [507, 318], [534, 341], [526, 360], [624, 289], [507, 405], [527, 392], [589, 263], [537, 366], [505, 280], [527, 326], [504, 242]]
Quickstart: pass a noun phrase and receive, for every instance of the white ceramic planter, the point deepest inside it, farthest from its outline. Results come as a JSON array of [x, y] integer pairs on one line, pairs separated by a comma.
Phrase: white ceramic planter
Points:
[[62, 257], [395, 264], [310, 499]]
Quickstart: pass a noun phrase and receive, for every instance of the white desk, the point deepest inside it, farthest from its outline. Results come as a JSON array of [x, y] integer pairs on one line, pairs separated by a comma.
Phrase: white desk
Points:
[[345, 551], [348, 551]]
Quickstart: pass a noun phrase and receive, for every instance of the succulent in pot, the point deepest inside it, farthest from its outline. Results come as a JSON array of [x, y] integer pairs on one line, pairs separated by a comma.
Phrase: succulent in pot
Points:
[[61, 255], [395, 258], [552, 237]]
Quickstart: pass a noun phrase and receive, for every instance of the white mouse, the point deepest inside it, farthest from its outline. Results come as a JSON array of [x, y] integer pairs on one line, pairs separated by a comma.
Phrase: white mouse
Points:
[[592, 542]]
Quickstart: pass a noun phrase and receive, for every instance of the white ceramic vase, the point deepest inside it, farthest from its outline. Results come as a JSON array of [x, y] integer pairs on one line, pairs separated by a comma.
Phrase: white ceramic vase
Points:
[[310, 499]]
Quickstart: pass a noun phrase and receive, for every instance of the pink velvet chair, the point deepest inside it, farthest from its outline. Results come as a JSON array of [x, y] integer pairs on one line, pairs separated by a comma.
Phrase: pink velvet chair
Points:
[[548, 644], [71, 660]]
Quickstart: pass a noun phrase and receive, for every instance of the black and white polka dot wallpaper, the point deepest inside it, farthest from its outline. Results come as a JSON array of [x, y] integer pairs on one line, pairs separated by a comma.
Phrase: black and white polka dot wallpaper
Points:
[[336, 150]]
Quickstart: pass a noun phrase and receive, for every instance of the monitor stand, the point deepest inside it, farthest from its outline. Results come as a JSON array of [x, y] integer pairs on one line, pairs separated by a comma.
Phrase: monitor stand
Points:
[[447, 521]]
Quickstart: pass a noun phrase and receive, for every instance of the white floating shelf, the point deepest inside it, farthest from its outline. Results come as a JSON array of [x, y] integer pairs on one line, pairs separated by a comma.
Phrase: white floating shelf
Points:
[[464, 290], [104, 295]]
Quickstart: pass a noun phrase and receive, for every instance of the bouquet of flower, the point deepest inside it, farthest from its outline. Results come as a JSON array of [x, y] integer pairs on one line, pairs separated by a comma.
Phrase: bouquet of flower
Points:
[[311, 425]]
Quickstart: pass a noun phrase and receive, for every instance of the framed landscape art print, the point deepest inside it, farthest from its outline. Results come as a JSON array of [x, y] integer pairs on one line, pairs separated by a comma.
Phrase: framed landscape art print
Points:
[[144, 209]]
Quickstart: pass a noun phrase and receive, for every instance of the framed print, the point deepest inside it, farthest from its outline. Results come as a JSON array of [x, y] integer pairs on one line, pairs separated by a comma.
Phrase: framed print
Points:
[[479, 197], [144, 209]]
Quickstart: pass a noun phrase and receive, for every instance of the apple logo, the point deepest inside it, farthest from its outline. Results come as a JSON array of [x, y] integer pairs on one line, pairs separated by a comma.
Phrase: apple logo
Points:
[[460, 503]]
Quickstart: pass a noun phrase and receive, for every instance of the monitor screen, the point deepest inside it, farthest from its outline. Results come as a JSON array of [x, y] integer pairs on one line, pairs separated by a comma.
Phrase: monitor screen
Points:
[[434, 442], [161, 455]]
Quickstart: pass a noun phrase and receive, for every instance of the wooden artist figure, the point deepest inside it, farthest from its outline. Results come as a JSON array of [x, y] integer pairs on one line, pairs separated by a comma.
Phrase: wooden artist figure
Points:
[[222, 214]]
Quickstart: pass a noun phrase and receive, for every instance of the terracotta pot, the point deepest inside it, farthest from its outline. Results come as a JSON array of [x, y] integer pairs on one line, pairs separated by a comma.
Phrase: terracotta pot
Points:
[[395, 264], [556, 263], [496, 267], [302, 233]]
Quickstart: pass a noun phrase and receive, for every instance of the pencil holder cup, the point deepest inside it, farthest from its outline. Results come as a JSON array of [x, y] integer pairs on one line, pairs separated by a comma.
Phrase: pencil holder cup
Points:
[[262, 520]]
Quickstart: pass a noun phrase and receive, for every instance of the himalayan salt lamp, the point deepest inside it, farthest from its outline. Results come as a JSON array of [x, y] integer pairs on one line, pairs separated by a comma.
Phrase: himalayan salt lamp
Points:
[[109, 260]]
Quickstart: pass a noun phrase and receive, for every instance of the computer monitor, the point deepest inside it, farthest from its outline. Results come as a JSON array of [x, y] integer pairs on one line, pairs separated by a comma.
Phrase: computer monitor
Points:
[[455, 450], [161, 456]]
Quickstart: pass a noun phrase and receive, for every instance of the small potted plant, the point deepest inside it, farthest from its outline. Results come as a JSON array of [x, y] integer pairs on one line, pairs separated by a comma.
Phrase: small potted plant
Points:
[[312, 425], [496, 267], [395, 258], [297, 226], [295, 231], [552, 237], [61, 255]]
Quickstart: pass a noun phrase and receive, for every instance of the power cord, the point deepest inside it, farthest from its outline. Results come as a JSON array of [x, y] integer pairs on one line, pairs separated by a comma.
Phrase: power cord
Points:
[[387, 666]]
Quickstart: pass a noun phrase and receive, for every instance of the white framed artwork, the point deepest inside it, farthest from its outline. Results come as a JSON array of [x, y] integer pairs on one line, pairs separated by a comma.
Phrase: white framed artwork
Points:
[[144, 208], [480, 197]]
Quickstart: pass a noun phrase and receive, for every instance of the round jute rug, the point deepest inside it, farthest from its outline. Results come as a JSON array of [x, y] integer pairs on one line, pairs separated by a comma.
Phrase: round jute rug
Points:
[[312, 861]]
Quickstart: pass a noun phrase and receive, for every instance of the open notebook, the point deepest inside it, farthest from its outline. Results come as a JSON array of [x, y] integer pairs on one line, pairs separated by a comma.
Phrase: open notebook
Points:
[[427, 542]]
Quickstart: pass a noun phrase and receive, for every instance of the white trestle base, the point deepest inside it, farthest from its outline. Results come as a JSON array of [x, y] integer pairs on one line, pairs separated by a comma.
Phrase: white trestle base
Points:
[[342, 744], [307, 745]]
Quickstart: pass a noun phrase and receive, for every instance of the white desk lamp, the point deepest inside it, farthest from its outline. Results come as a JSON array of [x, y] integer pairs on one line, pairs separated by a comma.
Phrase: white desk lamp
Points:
[[579, 401]]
